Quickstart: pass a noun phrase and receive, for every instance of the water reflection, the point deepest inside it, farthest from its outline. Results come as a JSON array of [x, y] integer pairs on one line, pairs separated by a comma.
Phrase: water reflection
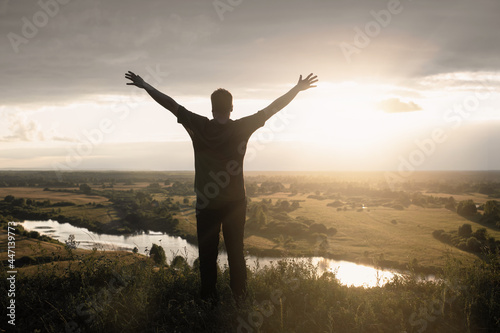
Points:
[[347, 273]]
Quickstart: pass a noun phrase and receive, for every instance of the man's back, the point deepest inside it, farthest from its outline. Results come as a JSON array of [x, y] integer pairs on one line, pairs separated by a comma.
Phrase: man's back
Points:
[[219, 151]]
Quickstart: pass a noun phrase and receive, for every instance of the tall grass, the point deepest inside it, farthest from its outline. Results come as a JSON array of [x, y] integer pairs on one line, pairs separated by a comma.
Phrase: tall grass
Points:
[[98, 294]]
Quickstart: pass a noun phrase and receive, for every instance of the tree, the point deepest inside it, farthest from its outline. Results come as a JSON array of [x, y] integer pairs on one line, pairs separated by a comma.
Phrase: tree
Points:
[[467, 208], [9, 198], [71, 242], [285, 205], [154, 186], [451, 204], [19, 202], [318, 228], [158, 254], [85, 189], [251, 189], [480, 234], [492, 209], [465, 230], [473, 244]]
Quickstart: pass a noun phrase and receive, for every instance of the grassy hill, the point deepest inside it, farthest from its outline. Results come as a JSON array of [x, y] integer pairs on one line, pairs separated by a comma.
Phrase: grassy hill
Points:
[[61, 290]]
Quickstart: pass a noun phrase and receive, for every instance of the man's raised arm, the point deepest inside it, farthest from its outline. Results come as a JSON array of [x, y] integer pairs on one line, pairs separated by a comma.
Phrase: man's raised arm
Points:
[[166, 101], [283, 101]]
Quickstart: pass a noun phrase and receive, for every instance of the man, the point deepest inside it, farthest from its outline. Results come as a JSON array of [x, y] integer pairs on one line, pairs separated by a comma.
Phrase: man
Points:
[[219, 147]]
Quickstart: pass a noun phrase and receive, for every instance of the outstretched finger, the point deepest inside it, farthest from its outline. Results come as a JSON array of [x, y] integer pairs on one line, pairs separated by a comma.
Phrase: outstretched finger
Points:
[[309, 76]]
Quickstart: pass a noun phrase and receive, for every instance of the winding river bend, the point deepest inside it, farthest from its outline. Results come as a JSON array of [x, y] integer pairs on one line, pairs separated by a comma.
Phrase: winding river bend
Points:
[[347, 273]]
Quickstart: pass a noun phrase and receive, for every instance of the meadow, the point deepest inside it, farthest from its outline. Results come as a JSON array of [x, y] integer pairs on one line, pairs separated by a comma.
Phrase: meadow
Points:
[[60, 289], [353, 217]]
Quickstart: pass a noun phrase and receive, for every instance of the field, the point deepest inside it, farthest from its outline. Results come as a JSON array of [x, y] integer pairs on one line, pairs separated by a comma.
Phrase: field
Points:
[[370, 233], [37, 193], [368, 229], [343, 216]]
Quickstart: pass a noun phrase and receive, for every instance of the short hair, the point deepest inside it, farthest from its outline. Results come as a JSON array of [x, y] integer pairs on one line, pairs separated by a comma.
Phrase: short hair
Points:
[[222, 101]]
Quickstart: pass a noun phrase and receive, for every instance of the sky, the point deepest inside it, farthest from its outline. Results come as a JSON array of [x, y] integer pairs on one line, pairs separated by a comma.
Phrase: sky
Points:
[[404, 85]]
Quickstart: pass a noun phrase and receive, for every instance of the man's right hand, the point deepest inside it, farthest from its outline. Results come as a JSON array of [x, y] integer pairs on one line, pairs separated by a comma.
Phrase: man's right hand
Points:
[[136, 79]]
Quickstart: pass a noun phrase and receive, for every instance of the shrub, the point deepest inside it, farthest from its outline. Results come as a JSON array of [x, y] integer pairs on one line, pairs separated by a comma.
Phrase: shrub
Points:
[[480, 234], [332, 231], [446, 237], [465, 230], [318, 228], [18, 202], [9, 198], [34, 234], [473, 244], [158, 254], [179, 261], [335, 204], [438, 233], [26, 260]]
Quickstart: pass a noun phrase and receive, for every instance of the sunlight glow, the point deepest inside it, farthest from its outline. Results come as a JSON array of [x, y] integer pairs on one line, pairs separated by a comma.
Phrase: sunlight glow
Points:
[[349, 114]]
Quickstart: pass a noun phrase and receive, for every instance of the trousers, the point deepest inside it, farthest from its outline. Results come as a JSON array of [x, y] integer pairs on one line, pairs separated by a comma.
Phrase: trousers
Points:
[[231, 217]]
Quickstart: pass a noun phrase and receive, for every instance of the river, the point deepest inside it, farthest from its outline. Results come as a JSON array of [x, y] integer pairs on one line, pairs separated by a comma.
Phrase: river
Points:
[[347, 273]]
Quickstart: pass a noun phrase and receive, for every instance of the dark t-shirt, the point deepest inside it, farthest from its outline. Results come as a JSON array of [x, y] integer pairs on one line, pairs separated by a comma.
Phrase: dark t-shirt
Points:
[[219, 150]]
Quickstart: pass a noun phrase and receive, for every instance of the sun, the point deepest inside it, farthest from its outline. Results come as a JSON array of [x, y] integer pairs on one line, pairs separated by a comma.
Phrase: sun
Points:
[[349, 114]]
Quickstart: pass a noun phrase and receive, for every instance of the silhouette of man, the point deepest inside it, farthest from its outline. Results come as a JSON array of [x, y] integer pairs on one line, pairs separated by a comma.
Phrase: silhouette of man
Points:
[[219, 148]]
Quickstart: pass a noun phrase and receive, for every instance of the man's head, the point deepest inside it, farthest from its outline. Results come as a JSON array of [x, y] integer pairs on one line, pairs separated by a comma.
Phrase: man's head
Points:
[[222, 102]]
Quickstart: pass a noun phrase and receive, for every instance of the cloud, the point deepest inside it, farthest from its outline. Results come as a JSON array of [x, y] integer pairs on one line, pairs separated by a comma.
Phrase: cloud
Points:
[[28, 130], [395, 105], [85, 48]]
